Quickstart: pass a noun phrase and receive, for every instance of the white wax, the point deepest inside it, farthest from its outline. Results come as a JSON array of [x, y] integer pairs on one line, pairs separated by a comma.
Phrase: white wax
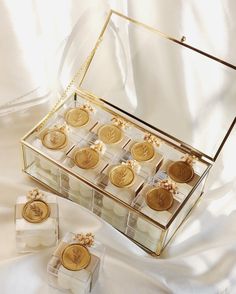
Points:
[[74, 184], [86, 191], [45, 232], [48, 240], [64, 278], [142, 225], [107, 202], [120, 210], [76, 281], [32, 241]]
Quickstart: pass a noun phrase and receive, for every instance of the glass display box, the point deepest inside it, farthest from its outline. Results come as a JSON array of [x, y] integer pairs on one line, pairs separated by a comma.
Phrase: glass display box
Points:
[[132, 138]]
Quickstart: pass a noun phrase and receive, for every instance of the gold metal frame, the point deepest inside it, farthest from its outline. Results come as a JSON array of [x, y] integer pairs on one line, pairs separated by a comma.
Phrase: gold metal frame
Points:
[[101, 102]]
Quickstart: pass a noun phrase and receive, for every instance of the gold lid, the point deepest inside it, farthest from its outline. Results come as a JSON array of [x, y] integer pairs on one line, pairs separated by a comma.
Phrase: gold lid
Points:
[[75, 257], [54, 138], [142, 151], [110, 134], [36, 211], [159, 199], [86, 158], [77, 117], [122, 176], [180, 171]]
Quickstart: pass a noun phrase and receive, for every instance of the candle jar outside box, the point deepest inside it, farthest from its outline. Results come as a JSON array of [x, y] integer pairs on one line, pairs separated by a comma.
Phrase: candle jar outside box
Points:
[[74, 281], [43, 231]]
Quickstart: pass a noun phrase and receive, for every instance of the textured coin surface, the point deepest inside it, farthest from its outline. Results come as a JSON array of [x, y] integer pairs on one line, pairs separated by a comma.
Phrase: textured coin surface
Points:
[[54, 139], [86, 158], [36, 211], [121, 176], [159, 199], [75, 257], [110, 134], [142, 151], [77, 117], [180, 171]]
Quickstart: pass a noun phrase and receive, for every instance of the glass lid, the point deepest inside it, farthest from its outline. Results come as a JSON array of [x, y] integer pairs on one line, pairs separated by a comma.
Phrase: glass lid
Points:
[[172, 86]]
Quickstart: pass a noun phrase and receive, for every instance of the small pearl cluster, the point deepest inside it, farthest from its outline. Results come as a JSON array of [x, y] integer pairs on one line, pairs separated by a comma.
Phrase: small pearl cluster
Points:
[[84, 239], [190, 159], [120, 122], [35, 194], [62, 128], [169, 185], [88, 107], [98, 146], [152, 139], [133, 164]]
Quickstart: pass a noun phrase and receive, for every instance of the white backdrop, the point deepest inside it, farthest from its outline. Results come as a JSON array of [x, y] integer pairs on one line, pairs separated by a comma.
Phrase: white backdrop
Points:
[[202, 257]]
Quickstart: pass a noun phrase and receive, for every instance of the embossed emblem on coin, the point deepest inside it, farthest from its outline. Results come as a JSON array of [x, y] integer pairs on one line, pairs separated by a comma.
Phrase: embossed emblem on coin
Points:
[[159, 199], [180, 171], [122, 176], [110, 134], [36, 211], [143, 151], [54, 139], [86, 158], [77, 117], [75, 257]]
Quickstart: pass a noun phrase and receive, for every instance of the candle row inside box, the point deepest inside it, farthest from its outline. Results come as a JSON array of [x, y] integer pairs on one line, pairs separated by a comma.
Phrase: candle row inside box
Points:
[[153, 177]]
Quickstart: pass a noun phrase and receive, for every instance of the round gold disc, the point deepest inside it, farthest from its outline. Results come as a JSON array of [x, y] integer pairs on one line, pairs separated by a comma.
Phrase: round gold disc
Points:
[[180, 172], [143, 151], [86, 158], [122, 176], [54, 139], [36, 211], [77, 117], [75, 257], [110, 134], [159, 199]]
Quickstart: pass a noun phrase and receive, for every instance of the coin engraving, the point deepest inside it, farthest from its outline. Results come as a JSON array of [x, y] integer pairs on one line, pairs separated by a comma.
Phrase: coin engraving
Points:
[[122, 176], [142, 151], [159, 199], [110, 134], [75, 257], [86, 158], [180, 171], [77, 117], [54, 139], [36, 211]]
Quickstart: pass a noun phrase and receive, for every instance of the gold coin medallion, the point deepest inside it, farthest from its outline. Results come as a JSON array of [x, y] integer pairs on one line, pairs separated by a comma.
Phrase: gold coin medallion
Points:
[[77, 117], [122, 176], [142, 151], [110, 134], [75, 257], [54, 139], [159, 199], [36, 211], [180, 172], [86, 158]]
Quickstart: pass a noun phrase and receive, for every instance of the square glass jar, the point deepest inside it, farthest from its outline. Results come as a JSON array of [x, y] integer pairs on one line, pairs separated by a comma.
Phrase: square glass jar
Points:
[[36, 222], [75, 268]]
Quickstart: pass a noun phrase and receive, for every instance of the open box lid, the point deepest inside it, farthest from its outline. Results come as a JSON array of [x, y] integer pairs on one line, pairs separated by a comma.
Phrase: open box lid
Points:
[[184, 93]]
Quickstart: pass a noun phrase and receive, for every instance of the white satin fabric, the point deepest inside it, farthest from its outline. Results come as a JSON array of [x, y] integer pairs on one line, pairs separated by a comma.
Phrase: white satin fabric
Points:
[[202, 257]]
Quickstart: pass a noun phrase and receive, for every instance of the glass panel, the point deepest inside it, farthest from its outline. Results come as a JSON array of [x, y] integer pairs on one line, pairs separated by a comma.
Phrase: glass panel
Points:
[[172, 87]]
